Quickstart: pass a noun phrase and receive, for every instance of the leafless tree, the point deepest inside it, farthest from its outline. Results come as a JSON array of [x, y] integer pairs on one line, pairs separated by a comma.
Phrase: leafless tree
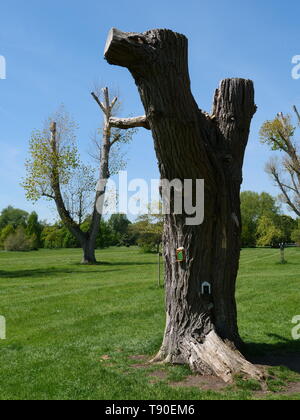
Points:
[[201, 327]]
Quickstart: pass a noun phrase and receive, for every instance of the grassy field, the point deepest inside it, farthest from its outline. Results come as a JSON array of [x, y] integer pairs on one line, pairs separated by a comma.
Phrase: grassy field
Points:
[[73, 332]]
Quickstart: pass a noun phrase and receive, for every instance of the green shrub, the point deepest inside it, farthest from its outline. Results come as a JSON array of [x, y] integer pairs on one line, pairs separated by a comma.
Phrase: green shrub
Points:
[[5, 232], [19, 241]]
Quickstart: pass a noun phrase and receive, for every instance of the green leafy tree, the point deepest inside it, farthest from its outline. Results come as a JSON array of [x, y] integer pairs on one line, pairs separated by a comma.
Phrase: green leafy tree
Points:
[[149, 230], [119, 225], [53, 237], [268, 233], [279, 135], [5, 232], [19, 241], [287, 225], [106, 237], [295, 236], [34, 229], [253, 207], [13, 216]]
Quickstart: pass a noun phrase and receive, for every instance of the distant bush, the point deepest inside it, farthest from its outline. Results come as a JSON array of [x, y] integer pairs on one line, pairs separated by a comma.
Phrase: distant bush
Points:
[[149, 242], [296, 236], [19, 241], [5, 233]]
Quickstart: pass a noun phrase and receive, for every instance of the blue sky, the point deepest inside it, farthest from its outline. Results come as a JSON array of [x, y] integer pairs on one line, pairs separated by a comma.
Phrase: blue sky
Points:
[[54, 55]]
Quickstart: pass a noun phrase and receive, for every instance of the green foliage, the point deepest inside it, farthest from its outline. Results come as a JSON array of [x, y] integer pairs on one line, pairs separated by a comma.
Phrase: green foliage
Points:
[[119, 223], [105, 237], [11, 220], [268, 233], [53, 237], [287, 225], [5, 232], [120, 228], [253, 207], [19, 241], [14, 217], [47, 164], [34, 229], [69, 241], [296, 234], [148, 230], [275, 132], [149, 242]]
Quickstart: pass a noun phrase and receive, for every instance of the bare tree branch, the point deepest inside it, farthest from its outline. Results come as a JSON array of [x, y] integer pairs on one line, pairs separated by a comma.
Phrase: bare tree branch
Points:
[[294, 182], [117, 138], [127, 123], [296, 112], [271, 168], [99, 102], [48, 196], [113, 103]]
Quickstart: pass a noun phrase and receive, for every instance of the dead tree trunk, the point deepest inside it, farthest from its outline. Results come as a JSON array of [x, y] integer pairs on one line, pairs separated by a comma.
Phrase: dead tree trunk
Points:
[[201, 328]]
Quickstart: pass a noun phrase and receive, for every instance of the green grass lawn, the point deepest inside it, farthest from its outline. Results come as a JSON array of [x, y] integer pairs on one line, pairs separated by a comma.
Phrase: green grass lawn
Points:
[[72, 330]]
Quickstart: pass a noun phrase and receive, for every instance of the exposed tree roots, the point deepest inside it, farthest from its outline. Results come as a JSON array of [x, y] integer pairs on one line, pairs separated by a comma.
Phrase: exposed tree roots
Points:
[[212, 357]]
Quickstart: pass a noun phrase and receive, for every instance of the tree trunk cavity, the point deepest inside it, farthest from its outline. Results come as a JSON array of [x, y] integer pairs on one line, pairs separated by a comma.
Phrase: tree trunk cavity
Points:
[[201, 330]]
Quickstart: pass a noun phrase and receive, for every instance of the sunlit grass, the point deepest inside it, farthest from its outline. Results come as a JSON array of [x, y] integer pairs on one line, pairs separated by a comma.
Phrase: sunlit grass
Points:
[[63, 317]]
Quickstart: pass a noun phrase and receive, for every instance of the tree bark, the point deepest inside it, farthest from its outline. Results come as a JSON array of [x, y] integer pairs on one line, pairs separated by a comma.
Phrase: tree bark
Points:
[[127, 123], [71, 225], [89, 256], [201, 330]]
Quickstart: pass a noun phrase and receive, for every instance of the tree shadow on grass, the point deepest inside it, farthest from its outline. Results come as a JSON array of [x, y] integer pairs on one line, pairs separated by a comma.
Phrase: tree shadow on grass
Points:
[[77, 269], [283, 353], [46, 273], [117, 264]]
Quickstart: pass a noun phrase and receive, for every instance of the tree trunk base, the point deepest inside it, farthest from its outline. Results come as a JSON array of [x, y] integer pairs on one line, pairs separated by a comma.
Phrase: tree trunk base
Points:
[[89, 260], [212, 357], [89, 255]]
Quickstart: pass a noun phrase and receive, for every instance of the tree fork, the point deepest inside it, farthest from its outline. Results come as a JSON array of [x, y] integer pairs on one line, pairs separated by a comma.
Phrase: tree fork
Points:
[[201, 330]]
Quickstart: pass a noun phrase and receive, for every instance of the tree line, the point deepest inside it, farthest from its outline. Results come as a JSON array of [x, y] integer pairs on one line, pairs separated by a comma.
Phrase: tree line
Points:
[[264, 224], [21, 231]]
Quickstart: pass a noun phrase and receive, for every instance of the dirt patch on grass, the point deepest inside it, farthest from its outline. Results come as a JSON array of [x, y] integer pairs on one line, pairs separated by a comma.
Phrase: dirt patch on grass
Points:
[[203, 382], [292, 388], [289, 390], [141, 358], [158, 375]]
